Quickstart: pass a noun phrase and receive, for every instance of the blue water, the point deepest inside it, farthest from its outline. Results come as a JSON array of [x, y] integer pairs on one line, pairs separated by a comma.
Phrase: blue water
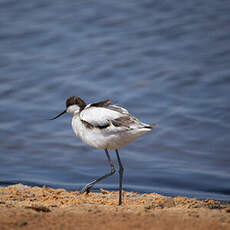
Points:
[[167, 62]]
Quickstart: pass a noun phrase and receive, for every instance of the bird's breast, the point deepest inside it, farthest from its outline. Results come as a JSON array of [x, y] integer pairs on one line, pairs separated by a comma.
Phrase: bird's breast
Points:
[[87, 134], [76, 125]]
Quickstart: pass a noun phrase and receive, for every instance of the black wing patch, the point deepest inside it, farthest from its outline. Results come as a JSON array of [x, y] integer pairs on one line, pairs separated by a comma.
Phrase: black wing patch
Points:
[[102, 103], [90, 126]]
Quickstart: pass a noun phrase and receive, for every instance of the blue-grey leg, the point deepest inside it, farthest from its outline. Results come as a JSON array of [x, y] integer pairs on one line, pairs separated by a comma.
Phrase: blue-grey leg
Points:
[[121, 169], [88, 187]]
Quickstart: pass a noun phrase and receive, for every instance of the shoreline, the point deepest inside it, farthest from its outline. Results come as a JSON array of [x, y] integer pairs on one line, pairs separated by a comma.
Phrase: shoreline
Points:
[[26, 207]]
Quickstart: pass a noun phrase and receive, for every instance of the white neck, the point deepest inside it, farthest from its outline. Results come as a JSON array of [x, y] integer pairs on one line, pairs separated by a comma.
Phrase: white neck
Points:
[[73, 109]]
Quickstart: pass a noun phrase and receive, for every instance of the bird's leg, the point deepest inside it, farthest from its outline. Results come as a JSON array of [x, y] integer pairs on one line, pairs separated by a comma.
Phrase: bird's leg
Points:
[[121, 169], [88, 187]]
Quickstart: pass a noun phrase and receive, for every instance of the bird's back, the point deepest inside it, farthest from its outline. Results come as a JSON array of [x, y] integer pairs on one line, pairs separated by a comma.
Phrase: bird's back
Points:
[[103, 125]]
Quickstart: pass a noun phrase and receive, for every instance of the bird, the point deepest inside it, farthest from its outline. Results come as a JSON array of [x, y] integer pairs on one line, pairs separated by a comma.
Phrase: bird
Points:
[[106, 126]]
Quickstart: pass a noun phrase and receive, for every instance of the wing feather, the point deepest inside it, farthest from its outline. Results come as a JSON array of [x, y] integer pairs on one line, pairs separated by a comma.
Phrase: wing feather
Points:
[[99, 116], [102, 103], [109, 115]]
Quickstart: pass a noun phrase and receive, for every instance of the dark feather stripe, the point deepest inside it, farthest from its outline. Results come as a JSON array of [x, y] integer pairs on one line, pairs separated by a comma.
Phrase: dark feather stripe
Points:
[[102, 103], [125, 121], [90, 126], [103, 126], [87, 124]]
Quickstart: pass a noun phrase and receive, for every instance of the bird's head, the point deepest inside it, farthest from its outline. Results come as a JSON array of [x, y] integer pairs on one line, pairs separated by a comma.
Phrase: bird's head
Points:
[[73, 105]]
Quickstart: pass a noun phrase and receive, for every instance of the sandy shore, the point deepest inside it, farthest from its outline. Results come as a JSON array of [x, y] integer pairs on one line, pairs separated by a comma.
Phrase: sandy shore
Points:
[[25, 207]]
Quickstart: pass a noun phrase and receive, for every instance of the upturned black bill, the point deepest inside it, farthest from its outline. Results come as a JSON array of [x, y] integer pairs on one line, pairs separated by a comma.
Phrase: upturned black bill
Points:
[[58, 115]]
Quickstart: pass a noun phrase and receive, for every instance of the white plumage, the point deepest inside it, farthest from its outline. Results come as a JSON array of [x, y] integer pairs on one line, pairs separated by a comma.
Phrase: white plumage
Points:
[[110, 137], [104, 126], [99, 130], [98, 116]]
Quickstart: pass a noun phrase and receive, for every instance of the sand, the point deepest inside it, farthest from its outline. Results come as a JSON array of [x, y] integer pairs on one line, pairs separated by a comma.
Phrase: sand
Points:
[[25, 207]]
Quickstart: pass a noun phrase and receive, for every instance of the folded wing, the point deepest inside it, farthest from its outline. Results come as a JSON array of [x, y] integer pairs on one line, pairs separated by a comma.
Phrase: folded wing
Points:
[[110, 115], [99, 116]]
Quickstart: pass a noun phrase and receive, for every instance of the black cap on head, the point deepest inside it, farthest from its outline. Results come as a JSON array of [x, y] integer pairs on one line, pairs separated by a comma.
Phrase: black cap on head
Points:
[[75, 101], [72, 101]]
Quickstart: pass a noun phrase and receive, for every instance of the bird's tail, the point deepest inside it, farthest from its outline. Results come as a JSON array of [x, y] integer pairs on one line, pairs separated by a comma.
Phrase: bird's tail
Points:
[[150, 126]]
